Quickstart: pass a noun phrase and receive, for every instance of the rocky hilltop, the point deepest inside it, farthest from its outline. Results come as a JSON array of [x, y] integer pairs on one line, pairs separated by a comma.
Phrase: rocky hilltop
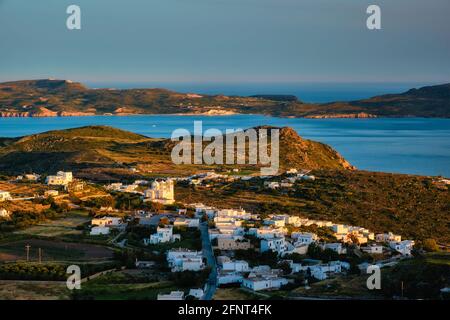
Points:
[[53, 98]]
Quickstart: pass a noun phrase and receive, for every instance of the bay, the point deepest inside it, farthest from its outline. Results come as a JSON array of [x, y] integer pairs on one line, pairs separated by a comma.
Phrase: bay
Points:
[[400, 145]]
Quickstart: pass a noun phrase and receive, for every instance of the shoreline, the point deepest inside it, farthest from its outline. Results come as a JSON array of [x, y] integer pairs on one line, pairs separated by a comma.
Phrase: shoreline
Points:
[[15, 129], [310, 117]]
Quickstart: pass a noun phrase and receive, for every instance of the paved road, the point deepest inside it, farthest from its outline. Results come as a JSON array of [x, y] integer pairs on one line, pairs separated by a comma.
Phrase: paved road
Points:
[[208, 253]]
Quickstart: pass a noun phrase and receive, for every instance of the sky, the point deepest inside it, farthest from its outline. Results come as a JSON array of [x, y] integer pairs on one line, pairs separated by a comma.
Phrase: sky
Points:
[[237, 42]]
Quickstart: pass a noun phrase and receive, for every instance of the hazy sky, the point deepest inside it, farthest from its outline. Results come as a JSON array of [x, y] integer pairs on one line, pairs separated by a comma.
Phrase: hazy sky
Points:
[[226, 41]]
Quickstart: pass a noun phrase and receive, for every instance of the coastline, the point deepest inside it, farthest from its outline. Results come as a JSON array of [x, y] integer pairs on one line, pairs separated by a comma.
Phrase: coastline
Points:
[[190, 114]]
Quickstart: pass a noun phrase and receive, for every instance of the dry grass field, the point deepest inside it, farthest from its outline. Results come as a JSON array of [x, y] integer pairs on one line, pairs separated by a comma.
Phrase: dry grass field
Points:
[[353, 286], [33, 290], [234, 294], [58, 228]]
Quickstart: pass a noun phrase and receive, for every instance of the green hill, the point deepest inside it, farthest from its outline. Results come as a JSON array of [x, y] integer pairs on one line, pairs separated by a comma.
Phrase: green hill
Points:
[[89, 149]]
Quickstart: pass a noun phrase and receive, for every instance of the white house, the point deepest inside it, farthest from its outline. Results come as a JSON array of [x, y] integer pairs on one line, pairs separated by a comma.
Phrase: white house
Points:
[[387, 237], [265, 232], [162, 235], [114, 186], [183, 259], [304, 237], [161, 191], [263, 270], [226, 277], [182, 253], [294, 220], [276, 222], [236, 265], [227, 221], [336, 247], [32, 177], [192, 264], [340, 228], [201, 209], [97, 231], [274, 244], [60, 179], [295, 267], [232, 242], [373, 249], [174, 295], [321, 271], [234, 213], [107, 221], [404, 247], [264, 283], [5, 195], [297, 248], [185, 222]]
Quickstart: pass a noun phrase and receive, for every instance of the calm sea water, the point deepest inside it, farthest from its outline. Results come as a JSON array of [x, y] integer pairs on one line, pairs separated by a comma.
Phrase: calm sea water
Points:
[[405, 145]]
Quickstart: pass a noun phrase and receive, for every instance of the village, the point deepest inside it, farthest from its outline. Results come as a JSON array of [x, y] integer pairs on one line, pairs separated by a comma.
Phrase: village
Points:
[[220, 247], [236, 249]]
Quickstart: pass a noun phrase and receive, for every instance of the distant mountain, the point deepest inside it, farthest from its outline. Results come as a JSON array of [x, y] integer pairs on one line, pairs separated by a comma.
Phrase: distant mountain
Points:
[[431, 101], [277, 97], [33, 98], [51, 98], [104, 152]]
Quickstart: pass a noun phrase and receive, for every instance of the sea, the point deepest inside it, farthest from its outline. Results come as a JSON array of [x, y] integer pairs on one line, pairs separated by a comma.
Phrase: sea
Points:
[[399, 145]]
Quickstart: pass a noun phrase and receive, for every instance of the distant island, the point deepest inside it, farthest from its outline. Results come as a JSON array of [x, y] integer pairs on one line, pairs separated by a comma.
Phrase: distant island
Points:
[[59, 98]]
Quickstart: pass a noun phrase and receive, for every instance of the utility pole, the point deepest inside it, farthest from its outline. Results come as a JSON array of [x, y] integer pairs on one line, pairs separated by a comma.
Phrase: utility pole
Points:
[[27, 247], [40, 255], [402, 289]]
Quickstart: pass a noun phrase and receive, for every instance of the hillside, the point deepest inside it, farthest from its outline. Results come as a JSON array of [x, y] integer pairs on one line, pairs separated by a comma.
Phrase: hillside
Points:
[[431, 101], [412, 206], [105, 152], [51, 98], [35, 98], [296, 152]]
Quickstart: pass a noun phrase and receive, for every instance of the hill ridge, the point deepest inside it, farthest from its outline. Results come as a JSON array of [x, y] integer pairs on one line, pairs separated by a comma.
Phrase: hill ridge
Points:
[[50, 97], [108, 147]]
